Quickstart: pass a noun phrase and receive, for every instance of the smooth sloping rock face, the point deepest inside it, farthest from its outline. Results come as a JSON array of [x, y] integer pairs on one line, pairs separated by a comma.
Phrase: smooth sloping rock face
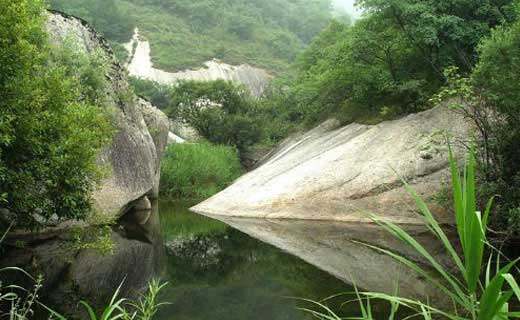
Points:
[[133, 158], [341, 174], [140, 65]]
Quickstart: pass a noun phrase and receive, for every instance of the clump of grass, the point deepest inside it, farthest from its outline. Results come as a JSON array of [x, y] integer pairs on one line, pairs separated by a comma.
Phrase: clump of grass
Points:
[[198, 171], [20, 301], [473, 297], [146, 306], [118, 308]]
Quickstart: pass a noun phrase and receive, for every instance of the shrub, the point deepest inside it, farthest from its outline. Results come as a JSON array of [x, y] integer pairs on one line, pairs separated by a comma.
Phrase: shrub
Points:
[[158, 94], [198, 170], [220, 111], [496, 80], [52, 123], [490, 99]]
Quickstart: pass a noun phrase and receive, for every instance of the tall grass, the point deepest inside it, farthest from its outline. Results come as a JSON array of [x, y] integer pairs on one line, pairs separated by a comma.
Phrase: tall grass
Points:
[[142, 309], [478, 290], [197, 171]]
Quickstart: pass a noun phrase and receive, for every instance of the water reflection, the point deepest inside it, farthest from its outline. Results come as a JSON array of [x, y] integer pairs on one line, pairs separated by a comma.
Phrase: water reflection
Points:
[[74, 271], [219, 272], [338, 249]]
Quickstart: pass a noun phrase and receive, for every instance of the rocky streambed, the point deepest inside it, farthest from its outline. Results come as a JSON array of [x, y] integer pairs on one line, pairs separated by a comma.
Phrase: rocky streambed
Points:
[[140, 65]]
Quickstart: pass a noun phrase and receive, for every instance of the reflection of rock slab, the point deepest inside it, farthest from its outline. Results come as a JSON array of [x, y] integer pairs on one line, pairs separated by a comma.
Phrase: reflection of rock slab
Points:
[[330, 247]]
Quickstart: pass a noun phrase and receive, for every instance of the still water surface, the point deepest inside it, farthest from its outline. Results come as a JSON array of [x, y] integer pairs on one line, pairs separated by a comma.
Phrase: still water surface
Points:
[[217, 272]]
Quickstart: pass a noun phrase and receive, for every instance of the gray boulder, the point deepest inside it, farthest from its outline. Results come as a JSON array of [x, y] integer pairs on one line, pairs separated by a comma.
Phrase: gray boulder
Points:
[[133, 158], [341, 174]]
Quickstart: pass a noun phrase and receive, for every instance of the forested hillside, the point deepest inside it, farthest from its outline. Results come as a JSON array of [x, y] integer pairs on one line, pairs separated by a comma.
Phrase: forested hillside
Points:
[[185, 33]]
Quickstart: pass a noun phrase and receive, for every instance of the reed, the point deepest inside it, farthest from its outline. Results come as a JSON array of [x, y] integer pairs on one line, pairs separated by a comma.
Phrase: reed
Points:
[[481, 289]]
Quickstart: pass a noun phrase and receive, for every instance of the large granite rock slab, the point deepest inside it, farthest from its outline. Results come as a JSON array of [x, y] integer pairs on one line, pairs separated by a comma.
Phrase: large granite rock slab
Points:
[[341, 174]]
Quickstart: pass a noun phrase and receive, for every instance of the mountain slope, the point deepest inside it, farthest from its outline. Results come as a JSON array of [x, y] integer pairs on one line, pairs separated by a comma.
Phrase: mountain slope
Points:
[[185, 34]]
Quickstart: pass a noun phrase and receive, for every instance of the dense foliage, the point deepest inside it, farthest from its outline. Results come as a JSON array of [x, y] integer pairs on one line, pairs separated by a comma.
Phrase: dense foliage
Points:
[[220, 111], [392, 60], [495, 102], [158, 94], [186, 33], [52, 123], [196, 171]]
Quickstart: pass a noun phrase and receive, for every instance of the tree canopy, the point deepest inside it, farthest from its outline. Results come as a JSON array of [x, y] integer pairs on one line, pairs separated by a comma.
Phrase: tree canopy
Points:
[[52, 124]]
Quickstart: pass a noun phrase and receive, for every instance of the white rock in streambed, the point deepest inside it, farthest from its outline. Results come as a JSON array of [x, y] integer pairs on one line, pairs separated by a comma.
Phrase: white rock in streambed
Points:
[[332, 173], [140, 65]]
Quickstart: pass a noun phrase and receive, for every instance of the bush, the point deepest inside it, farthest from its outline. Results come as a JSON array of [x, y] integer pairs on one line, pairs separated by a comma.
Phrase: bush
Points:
[[158, 94], [496, 80], [220, 111], [198, 171], [52, 120], [490, 98]]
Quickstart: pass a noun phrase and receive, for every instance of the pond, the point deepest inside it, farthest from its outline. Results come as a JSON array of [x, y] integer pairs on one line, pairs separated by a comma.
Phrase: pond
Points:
[[221, 268], [254, 269]]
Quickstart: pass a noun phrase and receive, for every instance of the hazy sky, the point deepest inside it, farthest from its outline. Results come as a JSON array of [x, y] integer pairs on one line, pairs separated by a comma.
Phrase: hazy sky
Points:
[[349, 6]]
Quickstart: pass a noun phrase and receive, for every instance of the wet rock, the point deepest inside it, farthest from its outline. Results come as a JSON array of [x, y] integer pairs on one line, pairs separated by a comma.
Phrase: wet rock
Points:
[[143, 204], [341, 173]]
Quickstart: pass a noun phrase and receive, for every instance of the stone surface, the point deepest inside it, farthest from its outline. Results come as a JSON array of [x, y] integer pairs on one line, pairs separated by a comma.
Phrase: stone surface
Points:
[[143, 204], [140, 65], [175, 139], [332, 173], [158, 125], [133, 158]]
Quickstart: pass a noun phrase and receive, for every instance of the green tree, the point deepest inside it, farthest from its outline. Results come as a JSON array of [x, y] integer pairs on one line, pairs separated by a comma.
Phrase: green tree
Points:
[[52, 122], [497, 81], [392, 60], [220, 111]]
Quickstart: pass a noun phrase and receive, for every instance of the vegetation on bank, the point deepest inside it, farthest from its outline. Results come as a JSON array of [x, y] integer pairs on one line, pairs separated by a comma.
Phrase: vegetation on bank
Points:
[[184, 34], [390, 61], [480, 288], [53, 120], [198, 170], [402, 56]]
